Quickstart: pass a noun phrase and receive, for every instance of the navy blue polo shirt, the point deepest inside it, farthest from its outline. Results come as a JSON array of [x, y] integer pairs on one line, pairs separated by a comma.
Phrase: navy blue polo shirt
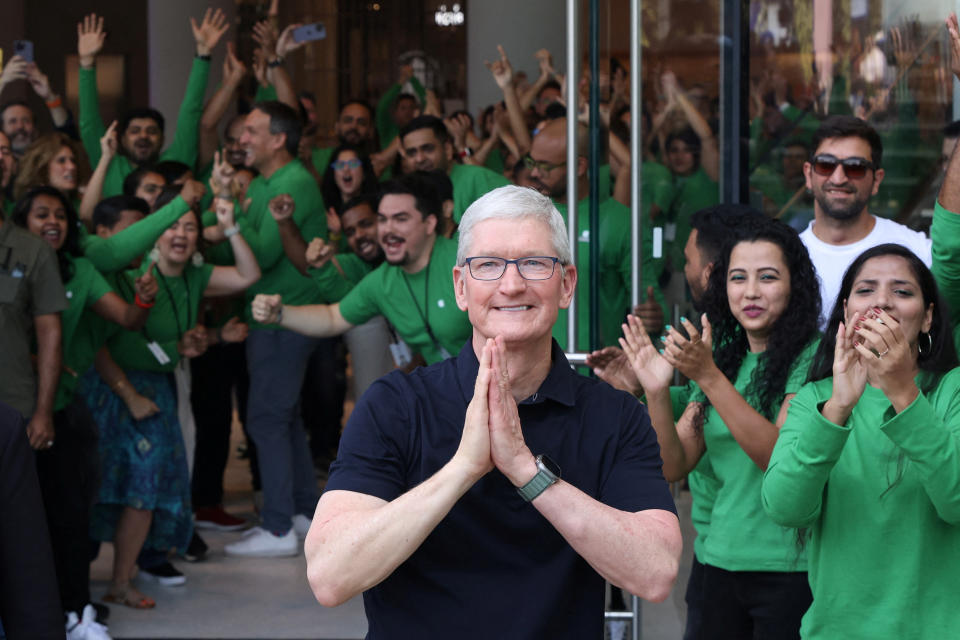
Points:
[[494, 567]]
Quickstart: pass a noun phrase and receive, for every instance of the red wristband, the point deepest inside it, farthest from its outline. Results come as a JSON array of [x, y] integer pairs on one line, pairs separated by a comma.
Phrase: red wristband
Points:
[[140, 303], [56, 102]]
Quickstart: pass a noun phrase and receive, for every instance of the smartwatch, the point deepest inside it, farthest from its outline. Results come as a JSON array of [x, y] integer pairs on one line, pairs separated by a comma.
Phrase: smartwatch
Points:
[[548, 473]]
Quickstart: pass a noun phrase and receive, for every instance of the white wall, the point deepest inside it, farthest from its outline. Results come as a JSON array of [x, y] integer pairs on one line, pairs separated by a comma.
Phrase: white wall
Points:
[[522, 27], [172, 49]]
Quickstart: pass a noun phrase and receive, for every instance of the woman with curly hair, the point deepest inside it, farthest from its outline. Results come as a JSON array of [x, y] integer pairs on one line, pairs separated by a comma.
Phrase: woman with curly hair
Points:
[[55, 160], [759, 334], [869, 458]]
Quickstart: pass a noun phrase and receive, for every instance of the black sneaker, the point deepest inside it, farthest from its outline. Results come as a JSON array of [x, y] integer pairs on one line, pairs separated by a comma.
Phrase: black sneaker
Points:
[[196, 550], [103, 612], [166, 574]]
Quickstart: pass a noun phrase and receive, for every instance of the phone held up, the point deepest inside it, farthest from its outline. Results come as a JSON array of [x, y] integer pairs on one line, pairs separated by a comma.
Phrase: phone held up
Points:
[[310, 32], [24, 49]]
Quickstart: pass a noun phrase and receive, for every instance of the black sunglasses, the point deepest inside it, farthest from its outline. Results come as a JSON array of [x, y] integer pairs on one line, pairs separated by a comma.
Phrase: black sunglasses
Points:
[[854, 168]]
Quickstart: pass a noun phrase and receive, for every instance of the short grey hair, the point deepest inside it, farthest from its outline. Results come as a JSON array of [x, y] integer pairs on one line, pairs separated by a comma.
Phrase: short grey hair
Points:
[[514, 203]]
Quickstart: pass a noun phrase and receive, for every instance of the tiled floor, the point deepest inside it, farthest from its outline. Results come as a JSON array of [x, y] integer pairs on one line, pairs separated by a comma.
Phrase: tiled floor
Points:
[[269, 598]]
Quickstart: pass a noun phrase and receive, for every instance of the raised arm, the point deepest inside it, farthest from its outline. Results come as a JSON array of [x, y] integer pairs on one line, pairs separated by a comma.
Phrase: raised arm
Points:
[[226, 281], [294, 246], [547, 73], [90, 37], [315, 320], [92, 194], [503, 75], [709, 153], [41, 86], [233, 73], [265, 35]]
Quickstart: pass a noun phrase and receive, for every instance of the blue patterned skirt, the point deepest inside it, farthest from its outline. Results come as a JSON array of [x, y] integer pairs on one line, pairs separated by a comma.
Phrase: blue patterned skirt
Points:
[[143, 462]]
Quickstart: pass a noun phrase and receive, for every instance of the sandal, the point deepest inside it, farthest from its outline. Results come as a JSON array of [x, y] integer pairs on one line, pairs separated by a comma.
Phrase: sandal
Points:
[[128, 597]]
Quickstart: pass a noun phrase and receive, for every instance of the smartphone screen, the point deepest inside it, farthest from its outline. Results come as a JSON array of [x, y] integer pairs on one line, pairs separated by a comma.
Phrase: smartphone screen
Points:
[[309, 32], [24, 49]]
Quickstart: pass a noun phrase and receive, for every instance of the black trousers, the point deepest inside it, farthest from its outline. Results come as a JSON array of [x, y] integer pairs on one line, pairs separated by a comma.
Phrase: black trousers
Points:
[[29, 603], [753, 605], [214, 377], [321, 400], [694, 599]]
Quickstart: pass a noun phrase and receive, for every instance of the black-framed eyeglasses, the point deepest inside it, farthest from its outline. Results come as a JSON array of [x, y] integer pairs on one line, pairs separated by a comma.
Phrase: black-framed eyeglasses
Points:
[[854, 168], [530, 267], [542, 167]]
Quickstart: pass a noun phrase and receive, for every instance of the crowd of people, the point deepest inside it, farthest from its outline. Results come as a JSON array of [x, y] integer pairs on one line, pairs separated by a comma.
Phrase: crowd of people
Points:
[[149, 289]]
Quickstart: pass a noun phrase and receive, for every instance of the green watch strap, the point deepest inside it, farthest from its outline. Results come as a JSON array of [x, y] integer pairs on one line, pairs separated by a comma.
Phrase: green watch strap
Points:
[[539, 483]]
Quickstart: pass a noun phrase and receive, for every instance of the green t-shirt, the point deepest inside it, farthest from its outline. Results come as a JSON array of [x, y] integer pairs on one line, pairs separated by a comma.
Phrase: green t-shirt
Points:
[[321, 159], [694, 192], [173, 314], [494, 161], [737, 507], [615, 272], [387, 129], [119, 250], [408, 301], [945, 248], [79, 349], [469, 183], [333, 284], [182, 149], [259, 229], [881, 496]]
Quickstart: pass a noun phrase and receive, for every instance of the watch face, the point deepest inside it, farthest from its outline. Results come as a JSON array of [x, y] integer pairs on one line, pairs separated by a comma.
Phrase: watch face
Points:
[[549, 464]]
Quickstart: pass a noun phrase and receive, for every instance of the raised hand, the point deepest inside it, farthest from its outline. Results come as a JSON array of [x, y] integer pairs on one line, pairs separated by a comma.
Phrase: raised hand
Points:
[[652, 370], [650, 312], [265, 35], [16, 69], [282, 207], [611, 365], [888, 356], [210, 30], [849, 373], [406, 72], [266, 308], [508, 450], [286, 44], [260, 68], [233, 69], [333, 221], [224, 211], [146, 285], [39, 81], [235, 330], [90, 37], [192, 191], [458, 126], [108, 143], [221, 179], [474, 450], [318, 253], [501, 69], [693, 356], [545, 62]]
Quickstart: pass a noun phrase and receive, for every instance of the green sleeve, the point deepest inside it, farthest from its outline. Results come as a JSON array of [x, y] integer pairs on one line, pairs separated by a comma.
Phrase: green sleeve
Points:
[[807, 448], [265, 94], [931, 441], [118, 251], [360, 304], [333, 286], [945, 234], [91, 123], [265, 240], [184, 145], [386, 127]]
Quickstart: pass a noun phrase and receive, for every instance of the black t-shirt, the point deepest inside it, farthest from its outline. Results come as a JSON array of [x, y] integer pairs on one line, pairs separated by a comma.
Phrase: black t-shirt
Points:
[[494, 567]]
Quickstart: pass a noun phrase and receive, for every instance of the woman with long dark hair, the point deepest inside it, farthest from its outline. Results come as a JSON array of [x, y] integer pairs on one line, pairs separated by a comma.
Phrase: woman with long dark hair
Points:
[[869, 458], [759, 333]]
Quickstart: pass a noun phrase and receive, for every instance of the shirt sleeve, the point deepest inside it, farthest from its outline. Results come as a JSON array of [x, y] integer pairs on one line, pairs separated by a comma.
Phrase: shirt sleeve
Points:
[[47, 294], [945, 233], [333, 286], [360, 304], [807, 449], [373, 449], [635, 481], [385, 125], [91, 123], [184, 145], [119, 250]]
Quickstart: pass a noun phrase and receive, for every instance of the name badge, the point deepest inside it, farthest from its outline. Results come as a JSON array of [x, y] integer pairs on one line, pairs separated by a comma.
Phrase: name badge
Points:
[[402, 356], [158, 352]]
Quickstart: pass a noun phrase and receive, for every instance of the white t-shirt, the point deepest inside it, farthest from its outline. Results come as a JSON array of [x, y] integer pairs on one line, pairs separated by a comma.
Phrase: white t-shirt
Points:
[[831, 260]]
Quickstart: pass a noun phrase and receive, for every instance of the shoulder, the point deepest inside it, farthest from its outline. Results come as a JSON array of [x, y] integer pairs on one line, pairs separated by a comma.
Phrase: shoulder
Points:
[[887, 229], [398, 392]]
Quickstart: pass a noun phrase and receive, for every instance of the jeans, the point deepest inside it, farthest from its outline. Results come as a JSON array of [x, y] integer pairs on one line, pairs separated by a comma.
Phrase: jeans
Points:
[[753, 605], [277, 361]]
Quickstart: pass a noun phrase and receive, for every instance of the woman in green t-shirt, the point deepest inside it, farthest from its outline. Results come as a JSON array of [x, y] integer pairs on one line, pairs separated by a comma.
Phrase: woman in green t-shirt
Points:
[[869, 459], [68, 467], [759, 332], [144, 496]]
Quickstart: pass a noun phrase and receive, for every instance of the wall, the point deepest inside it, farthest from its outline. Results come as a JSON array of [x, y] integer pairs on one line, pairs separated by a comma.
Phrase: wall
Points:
[[511, 23]]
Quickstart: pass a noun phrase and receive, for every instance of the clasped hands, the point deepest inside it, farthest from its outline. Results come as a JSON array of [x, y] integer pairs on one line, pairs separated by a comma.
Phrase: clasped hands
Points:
[[492, 437]]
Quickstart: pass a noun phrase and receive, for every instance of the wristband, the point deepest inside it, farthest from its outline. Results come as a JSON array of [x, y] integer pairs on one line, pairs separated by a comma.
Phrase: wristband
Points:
[[466, 152], [279, 316], [229, 232], [56, 102], [201, 56], [273, 64], [140, 303]]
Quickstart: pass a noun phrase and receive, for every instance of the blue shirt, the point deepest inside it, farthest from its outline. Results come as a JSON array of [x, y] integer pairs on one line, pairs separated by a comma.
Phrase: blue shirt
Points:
[[494, 567]]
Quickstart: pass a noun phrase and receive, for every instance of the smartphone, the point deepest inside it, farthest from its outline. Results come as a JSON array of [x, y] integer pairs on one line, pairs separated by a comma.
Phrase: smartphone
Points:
[[310, 32], [24, 49]]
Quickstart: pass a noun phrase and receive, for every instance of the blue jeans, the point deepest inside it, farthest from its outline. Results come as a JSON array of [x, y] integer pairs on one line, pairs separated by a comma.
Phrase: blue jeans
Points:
[[277, 361]]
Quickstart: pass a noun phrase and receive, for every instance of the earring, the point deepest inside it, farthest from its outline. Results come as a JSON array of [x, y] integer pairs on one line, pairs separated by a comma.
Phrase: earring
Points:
[[197, 259], [929, 345], [154, 254]]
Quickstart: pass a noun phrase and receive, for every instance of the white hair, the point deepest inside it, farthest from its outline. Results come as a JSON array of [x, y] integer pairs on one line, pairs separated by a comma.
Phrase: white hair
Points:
[[514, 203]]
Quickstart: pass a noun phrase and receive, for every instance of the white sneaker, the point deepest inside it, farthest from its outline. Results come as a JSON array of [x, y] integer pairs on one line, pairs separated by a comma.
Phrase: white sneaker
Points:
[[260, 543], [87, 627], [301, 524]]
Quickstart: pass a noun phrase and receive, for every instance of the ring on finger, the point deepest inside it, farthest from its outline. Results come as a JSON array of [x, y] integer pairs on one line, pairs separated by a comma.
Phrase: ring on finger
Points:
[[885, 352]]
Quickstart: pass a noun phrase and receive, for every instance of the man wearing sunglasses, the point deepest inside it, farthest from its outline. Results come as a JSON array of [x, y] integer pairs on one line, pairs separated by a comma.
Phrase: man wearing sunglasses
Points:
[[843, 173], [490, 495]]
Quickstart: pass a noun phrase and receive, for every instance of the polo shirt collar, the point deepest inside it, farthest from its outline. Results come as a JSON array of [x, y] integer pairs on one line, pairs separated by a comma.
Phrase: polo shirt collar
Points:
[[559, 385]]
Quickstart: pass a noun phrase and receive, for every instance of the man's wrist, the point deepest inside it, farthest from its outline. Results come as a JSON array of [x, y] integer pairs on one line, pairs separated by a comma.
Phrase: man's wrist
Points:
[[525, 471]]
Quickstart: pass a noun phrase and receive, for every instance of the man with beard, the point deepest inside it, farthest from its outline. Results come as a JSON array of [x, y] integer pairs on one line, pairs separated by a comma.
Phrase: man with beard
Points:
[[548, 174], [426, 146], [354, 126], [18, 125], [141, 129], [413, 288], [843, 173]]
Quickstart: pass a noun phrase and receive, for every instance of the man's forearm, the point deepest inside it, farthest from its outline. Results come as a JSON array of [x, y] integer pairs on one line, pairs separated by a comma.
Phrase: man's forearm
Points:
[[315, 320], [293, 244], [639, 552], [357, 541]]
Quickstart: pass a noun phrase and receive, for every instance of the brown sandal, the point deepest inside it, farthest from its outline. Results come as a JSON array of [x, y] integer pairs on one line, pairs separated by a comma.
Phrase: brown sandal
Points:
[[127, 596]]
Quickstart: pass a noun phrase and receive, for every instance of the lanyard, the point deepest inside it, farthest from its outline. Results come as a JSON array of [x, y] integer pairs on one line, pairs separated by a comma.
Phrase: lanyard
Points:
[[425, 314], [173, 303]]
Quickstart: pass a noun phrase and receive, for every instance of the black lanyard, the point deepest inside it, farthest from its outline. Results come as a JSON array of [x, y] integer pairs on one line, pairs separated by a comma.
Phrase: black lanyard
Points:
[[173, 303], [425, 314]]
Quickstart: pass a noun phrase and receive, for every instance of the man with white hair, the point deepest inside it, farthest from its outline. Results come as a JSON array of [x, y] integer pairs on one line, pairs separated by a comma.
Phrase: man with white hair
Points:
[[492, 494]]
